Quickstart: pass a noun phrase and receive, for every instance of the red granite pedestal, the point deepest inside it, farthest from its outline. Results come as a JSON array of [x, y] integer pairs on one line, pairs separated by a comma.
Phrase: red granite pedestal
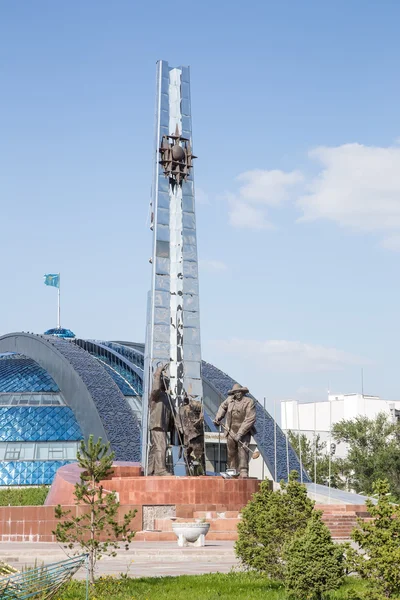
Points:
[[158, 502], [158, 498], [135, 489]]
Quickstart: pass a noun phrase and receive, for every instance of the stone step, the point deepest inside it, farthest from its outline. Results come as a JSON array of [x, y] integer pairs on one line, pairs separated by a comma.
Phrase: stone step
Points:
[[345, 516], [339, 518], [340, 508], [341, 514]]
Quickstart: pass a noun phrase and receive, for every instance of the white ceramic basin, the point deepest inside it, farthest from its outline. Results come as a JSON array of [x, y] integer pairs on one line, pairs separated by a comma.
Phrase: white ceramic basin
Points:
[[190, 531]]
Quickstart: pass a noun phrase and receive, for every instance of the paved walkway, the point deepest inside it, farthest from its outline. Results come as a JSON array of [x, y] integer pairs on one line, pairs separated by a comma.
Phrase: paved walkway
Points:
[[143, 559]]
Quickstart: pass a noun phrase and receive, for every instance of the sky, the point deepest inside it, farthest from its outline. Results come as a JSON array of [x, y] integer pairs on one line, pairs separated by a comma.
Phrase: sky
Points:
[[296, 126]]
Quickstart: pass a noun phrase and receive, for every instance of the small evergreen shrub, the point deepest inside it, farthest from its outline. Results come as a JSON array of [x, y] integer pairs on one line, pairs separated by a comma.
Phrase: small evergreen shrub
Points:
[[100, 530], [378, 557], [313, 562], [268, 522]]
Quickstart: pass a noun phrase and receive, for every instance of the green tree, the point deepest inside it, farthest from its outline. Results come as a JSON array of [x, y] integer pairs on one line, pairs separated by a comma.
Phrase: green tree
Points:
[[313, 562], [373, 451], [97, 530], [307, 454], [378, 556], [339, 467], [268, 521]]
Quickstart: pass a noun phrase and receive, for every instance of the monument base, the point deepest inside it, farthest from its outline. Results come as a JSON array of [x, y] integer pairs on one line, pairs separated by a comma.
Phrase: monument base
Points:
[[160, 500], [189, 493]]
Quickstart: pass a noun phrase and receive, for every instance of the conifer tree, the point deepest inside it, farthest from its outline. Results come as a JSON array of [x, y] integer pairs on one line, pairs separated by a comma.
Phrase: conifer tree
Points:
[[313, 562], [97, 531], [268, 521], [378, 557]]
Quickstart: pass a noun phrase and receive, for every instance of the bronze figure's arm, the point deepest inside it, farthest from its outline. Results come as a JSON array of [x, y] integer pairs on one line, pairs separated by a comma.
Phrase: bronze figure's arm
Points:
[[157, 379], [221, 411]]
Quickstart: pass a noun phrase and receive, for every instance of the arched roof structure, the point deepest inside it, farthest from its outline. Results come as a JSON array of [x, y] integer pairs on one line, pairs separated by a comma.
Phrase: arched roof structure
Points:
[[96, 380], [90, 392]]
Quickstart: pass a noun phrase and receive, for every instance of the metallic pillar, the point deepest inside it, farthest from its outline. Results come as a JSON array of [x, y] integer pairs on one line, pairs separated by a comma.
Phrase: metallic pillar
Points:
[[173, 320]]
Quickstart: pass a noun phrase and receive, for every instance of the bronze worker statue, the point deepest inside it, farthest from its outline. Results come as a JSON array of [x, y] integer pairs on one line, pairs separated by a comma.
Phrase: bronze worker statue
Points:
[[240, 413], [160, 424], [191, 429]]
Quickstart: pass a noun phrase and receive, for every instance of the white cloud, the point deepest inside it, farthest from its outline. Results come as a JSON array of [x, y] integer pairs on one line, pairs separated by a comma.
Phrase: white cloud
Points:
[[213, 265], [245, 216], [259, 190], [358, 187], [290, 356]]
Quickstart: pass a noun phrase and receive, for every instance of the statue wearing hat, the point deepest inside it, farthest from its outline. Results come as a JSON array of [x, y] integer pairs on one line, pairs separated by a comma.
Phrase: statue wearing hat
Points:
[[160, 423], [240, 413]]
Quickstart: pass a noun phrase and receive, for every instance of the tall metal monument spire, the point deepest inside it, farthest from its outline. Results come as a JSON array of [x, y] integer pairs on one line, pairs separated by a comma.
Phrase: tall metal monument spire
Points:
[[173, 321]]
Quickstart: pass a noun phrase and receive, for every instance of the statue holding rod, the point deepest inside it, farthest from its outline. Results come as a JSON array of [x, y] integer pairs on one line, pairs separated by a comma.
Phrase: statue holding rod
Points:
[[240, 412]]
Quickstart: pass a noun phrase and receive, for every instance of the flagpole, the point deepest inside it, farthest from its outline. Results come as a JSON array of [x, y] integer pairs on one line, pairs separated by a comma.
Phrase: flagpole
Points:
[[330, 447], [315, 449], [299, 441], [287, 441], [59, 303]]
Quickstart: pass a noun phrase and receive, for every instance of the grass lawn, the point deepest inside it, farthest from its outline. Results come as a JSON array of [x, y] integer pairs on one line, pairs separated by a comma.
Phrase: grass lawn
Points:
[[238, 586], [29, 496]]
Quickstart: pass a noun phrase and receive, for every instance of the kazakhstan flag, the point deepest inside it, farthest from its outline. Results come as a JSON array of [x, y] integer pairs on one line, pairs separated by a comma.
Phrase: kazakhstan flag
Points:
[[52, 279]]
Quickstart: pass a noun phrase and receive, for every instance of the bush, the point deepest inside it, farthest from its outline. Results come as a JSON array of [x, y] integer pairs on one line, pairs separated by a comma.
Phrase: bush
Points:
[[28, 496], [314, 564], [378, 558], [269, 521]]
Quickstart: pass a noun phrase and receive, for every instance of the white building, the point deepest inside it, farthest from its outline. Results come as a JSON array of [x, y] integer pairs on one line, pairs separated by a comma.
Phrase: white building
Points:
[[318, 417]]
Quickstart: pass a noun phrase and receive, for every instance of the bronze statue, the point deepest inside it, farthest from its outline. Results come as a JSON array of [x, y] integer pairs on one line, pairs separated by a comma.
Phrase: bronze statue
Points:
[[240, 414], [160, 423], [191, 429]]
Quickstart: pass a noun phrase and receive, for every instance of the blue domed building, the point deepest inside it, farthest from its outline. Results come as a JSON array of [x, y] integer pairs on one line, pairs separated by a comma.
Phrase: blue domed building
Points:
[[56, 389]]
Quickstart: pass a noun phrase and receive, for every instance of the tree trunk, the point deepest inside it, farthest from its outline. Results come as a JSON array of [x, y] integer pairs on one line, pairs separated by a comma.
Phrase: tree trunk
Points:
[[91, 566]]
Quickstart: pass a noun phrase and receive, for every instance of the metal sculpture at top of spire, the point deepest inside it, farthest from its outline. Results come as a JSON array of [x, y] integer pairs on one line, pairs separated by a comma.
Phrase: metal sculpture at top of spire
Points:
[[176, 156]]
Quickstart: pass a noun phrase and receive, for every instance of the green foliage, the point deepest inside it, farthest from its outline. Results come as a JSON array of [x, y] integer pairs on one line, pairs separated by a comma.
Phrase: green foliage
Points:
[[374, 451], [314, 564], [97, 531], [213, 586], [268, 522], [340, 470], [307, 453], [27, 496], [378, 557]]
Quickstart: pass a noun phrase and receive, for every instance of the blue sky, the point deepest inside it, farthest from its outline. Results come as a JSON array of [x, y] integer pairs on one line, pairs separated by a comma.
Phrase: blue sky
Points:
[[295, 122]]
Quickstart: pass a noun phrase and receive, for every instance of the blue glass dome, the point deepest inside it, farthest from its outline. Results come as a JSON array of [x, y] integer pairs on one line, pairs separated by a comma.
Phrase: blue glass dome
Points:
[[21, 374], [60, 332]]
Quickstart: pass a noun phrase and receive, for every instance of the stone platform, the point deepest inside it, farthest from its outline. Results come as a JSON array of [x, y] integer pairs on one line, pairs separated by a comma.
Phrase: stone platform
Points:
[[158, 500], [187, 493]]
